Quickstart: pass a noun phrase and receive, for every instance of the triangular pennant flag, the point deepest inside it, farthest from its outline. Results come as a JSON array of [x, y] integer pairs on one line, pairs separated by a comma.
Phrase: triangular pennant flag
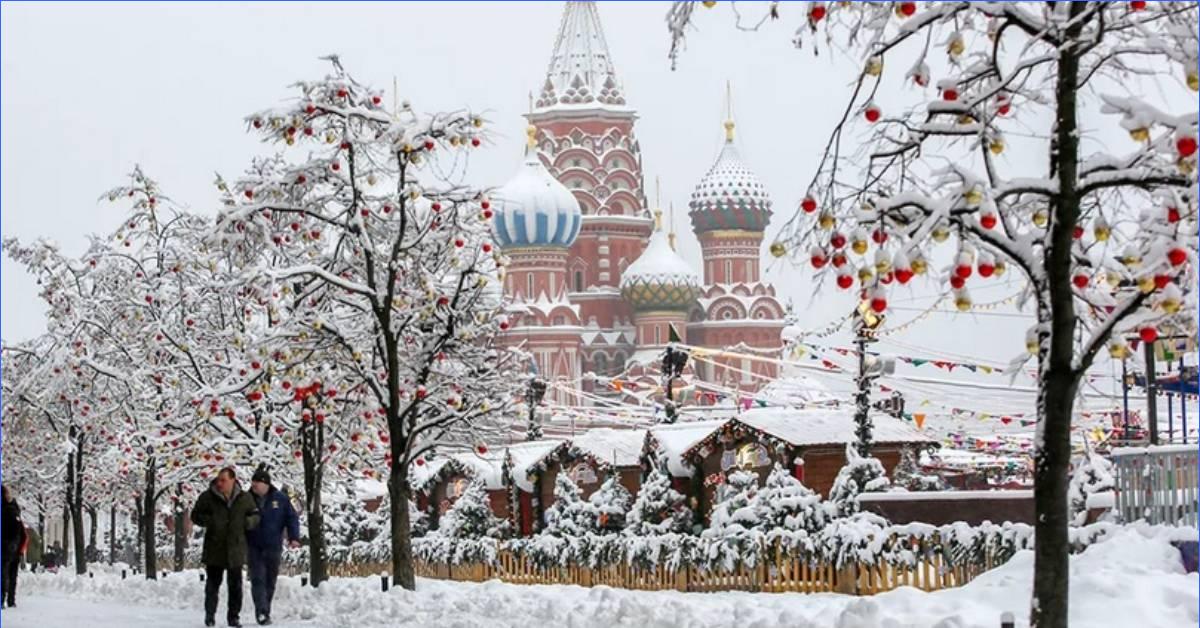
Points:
[[985, 369], [919, 419], [1006, 420], [918, 361], [761, 403], [616, 383], [672, 335], [969, 367]]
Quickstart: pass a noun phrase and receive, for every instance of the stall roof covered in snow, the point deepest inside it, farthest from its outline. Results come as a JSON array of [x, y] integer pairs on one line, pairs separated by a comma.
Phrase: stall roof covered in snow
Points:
[[488, 466], [608, 446], [671, 441], [821, 426], [524, 456]]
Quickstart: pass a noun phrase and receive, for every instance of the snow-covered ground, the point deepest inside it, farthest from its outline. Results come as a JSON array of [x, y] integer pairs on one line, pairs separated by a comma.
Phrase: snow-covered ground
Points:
[[1128, 580]]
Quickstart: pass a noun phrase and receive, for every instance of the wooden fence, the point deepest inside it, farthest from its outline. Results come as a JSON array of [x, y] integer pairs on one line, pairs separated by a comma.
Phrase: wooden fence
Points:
[[1157, 484], [777, 571]]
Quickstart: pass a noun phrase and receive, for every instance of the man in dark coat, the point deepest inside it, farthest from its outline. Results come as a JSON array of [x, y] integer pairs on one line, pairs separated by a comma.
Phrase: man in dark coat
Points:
[[226, 513], [265, 543], [13, 538]]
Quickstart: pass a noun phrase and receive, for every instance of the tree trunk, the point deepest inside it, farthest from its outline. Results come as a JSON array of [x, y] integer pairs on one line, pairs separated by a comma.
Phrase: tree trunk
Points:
[[75, 472], [312, 438], [180, 535], [141, 531], [402, 558], [148, 517], [66, 528], [112, 533], [1059, 381], [93, 547]]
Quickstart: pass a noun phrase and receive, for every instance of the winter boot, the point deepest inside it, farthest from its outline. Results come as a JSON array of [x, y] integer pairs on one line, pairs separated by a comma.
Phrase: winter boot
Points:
[[263, 619], [209, 621]]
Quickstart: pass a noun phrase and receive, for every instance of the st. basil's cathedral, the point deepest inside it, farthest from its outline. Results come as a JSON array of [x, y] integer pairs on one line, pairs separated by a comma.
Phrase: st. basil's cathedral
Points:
[[595, 279]]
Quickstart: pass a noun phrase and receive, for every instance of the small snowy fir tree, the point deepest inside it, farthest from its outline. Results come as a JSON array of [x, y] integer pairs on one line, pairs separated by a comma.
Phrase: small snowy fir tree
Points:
[[907, 474], [732, 532], [471, 516], [785, 503], [860, 475], [570, 516], [1093, 475], [659, 508], [611, 503]]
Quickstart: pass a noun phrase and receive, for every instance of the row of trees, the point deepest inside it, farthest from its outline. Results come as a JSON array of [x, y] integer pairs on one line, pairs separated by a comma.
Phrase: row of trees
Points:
[[1102, 228], [336, 318]]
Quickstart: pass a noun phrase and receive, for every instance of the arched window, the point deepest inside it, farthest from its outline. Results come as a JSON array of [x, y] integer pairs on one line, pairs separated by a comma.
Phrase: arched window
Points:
[[600, 364], [579, 281]]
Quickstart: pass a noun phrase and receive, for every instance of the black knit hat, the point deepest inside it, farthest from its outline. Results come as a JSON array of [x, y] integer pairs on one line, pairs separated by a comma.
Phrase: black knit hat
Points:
[[261, 475]]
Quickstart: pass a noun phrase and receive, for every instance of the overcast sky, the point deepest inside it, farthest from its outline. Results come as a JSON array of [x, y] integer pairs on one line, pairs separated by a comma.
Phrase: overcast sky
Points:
[[90, 89]]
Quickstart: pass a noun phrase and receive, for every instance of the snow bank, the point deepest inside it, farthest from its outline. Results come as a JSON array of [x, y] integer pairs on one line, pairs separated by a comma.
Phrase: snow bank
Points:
[[1131, 577]]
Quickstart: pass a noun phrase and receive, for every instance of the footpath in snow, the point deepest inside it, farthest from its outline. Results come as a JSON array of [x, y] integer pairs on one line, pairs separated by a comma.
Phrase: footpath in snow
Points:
[[1127, 580]]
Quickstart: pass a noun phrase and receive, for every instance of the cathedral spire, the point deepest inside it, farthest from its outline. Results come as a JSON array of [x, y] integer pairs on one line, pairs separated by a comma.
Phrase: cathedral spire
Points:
[[728, 112], [581, 71]]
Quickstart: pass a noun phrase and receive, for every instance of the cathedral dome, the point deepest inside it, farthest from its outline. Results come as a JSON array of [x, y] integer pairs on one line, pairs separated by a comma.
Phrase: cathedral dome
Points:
[[730, 196], [660, 279], [534, 210]]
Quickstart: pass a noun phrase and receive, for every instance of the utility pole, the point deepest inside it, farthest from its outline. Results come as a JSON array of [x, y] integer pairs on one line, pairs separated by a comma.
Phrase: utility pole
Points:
[[1151, 400], [535, 391]]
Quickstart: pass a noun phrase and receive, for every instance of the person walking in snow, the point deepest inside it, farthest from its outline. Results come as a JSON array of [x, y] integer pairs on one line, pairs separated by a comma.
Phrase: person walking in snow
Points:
[[265, 543], [226, 513], [13, 539]]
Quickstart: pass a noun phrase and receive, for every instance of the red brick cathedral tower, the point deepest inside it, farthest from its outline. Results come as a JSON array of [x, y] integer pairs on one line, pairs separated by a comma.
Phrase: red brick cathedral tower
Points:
[[585, 138]]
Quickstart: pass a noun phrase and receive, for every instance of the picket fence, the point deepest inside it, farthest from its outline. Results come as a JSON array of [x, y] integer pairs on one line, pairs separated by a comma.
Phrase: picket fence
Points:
[[776, 571]]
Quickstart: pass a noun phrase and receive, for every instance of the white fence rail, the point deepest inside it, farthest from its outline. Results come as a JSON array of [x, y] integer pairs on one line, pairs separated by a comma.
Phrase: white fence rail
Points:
[[1158, 484]]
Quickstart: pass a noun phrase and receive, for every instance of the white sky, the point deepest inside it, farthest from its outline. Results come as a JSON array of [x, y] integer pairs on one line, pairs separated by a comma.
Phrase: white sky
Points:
[[89, 89]]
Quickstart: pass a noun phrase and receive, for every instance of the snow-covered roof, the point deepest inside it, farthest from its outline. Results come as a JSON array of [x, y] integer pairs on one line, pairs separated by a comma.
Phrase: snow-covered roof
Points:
[[487, 466], [523, 456], [534, 209], [673, 440], [796, 388], [367, 489], [581, 72], [616, 447], [821, 426]]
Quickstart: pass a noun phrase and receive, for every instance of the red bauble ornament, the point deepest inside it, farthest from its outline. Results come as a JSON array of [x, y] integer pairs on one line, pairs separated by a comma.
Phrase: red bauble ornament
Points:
[[1137, 5], [258, 123], [295, 226], [301, 179], [487, 248], [907, 9], [809, 204], [484, 204], [342, 93], [816, 13], [872, 114], [950, 94], [879, 236], [957, 282], [879, 304], [1077, 232], [963, 271], [249, 193], [1161, 281], [1148, 334], [1186, 146], [837, 240], [903, 275], [503, 325], [839, 260], [308, 131], [255, 365], [459, 243], [475, 141], [1177, 256], [987, 221], [429, 144], [375, 100], [1173, 214], [481, 448], [435, 206], [1081, 281], [420, 462], [443, 301], [986, 270], [845, 281], [818, 261]]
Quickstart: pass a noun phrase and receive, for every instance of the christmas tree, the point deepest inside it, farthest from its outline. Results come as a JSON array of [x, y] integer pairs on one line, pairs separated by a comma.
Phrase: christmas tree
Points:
[[732, 532], [658, 509], [862, 474], [471, 517], [787, 504], [570, 516], [907, 474], [611, 503]]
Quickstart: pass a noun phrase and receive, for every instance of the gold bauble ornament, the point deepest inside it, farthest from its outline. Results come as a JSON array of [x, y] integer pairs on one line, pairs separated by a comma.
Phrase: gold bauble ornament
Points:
[[477, 122], [957, 46], [962, 303], [1102, 233], [1112, 279], [864, 274], [973, 197], [708, 4], [918, 266], [778, 249], [874, 66], [1040, 218], [939, 234], [1118, 350], [1032, 347], [1170, 306], [859, 246], [883, 266], [290, 140], [1000, 268], [996, 146], [1140, 134], [1193, 81], [825, 221], [1146, 284]]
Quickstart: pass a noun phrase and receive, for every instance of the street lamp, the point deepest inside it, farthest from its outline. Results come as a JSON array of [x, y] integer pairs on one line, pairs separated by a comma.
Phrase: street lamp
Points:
[[866, 321], [673, 363], [534, 392]]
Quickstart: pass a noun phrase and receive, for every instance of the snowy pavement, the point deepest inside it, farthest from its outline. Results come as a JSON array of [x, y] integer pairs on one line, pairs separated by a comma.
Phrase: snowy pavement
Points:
[[1128, 580]]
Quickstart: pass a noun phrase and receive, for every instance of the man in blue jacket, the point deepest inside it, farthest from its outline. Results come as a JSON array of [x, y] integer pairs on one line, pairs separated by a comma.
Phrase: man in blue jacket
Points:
[[265, 543]]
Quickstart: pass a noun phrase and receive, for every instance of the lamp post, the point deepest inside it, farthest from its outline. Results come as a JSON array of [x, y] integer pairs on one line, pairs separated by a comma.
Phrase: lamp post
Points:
[[534, 392], [866, 321], [673, 363]]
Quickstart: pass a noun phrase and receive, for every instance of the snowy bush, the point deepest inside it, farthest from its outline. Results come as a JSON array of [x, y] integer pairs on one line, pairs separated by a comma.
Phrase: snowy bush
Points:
[[1093, 475], [570, 516], [861, 474], [907, 474], [733, 536], [611, 502]]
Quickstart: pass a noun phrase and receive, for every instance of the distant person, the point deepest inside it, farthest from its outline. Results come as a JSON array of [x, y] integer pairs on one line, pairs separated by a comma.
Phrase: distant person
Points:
[[265, 543], [14, 538], [226, 513]]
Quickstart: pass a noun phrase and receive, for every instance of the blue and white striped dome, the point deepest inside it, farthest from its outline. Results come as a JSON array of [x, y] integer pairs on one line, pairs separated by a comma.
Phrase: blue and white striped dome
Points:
[[534, 209]]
